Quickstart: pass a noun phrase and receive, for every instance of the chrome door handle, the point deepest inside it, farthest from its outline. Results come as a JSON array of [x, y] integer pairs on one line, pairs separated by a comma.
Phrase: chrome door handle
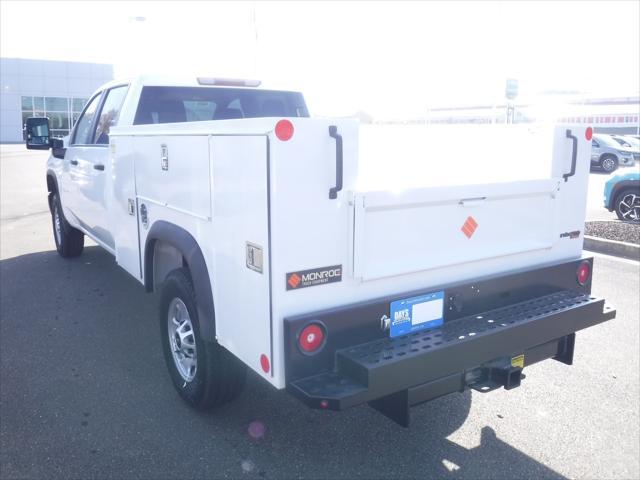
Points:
[[98, 167]]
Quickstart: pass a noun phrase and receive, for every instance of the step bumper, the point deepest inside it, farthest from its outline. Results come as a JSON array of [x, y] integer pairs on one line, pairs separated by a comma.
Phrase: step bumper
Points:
[[483, 351]]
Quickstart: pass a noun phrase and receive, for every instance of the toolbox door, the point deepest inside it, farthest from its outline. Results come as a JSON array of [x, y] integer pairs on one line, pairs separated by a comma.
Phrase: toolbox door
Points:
[[122, 209], [396, 234]]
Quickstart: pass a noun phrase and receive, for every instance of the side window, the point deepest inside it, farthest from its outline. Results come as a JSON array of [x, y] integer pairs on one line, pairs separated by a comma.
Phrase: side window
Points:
[[83, 134], [109, 114]]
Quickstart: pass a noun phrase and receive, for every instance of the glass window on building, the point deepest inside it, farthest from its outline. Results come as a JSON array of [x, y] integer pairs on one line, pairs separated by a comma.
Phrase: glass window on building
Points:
[[56, 104], [78, 104], [62, 112], [38, 104]]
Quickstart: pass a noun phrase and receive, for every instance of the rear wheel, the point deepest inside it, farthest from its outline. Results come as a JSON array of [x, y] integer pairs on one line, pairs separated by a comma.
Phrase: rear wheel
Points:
[[205, 374], [609, 163], [627, 205], [69, 240]]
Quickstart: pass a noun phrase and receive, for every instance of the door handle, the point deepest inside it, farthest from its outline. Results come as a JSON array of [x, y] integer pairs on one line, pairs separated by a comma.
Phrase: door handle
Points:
[[472, 202], [98, 167], [333, 191], [73, 162], [574, 155]]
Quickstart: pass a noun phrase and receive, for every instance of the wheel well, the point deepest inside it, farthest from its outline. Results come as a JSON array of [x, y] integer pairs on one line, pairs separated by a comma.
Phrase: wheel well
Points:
[[52, 187], [605, 155], [168, 247], [51, 184], [166, 258], [619, 192], [618, 189]]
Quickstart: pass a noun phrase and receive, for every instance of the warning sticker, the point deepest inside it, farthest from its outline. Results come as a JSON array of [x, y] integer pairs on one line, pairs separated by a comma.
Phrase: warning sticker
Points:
[[518, 361]]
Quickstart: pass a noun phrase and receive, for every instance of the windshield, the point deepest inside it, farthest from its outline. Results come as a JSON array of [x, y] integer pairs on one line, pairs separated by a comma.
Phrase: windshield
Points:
[[193, 104], [628, 142], [609, 141]]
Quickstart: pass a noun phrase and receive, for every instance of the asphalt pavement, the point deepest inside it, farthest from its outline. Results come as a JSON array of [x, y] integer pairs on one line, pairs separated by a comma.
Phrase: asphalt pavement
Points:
[[84, 391]]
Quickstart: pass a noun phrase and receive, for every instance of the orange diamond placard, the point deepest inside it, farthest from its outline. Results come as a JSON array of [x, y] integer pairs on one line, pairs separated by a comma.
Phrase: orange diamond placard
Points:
[[294, 280], [469, 226]]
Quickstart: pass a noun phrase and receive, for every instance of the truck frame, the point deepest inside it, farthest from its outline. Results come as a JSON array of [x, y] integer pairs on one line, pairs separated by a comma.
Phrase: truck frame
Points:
[[275, 245]]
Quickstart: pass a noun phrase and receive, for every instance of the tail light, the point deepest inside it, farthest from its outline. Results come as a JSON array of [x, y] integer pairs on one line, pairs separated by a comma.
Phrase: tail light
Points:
[[583, 273], [311, 338]]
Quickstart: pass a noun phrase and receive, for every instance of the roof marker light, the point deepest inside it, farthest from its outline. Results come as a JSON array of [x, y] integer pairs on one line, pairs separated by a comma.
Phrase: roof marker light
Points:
[[284, 130], [228, 82], [588, 133]]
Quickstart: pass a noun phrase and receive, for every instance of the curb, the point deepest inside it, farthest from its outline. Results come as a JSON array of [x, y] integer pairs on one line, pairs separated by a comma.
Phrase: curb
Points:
[[612, 247]]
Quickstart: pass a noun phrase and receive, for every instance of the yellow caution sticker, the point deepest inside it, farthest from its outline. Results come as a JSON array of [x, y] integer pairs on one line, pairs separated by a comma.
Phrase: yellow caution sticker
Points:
[[518, 361]]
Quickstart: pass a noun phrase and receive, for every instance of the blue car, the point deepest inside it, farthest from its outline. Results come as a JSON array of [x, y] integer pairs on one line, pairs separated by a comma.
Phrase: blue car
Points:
[[622, 194]]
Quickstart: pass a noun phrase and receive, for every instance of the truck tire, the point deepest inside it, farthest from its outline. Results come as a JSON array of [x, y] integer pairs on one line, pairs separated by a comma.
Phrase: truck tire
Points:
[[205, 374], [608, 163], [627, 205], [69, 240]]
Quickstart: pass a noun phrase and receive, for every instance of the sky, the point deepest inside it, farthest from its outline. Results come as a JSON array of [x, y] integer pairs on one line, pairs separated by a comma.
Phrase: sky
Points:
[[390, 59]]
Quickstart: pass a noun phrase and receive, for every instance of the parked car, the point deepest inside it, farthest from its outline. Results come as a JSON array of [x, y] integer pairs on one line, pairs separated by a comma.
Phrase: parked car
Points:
[[622, 194], [630, 142], [608, 154]]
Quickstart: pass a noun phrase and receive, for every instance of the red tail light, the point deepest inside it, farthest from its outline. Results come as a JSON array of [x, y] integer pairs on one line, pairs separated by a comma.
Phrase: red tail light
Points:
[[583, 273], [311, 338], [284, 130]]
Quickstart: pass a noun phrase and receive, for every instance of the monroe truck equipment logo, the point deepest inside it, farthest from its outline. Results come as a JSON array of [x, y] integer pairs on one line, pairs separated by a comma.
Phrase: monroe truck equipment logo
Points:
[[313, 277]]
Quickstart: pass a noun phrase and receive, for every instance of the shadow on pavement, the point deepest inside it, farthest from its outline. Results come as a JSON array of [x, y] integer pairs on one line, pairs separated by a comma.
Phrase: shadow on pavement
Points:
[[85, 393]]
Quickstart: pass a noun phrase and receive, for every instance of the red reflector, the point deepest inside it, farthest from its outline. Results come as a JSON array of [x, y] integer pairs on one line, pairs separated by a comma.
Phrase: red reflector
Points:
[[588, 133], [284, 130], [583, 273], [324, 404], [264, 363], [311, 338]]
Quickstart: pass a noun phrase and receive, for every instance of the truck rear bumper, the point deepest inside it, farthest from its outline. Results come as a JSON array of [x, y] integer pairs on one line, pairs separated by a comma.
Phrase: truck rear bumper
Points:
[[484, 351]]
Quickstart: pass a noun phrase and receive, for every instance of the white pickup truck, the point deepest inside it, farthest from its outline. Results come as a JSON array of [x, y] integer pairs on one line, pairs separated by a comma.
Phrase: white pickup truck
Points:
[[348, 264]]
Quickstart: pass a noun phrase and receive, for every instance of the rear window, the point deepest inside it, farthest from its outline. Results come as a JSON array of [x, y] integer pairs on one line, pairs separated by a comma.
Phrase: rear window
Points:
[[195, 104]]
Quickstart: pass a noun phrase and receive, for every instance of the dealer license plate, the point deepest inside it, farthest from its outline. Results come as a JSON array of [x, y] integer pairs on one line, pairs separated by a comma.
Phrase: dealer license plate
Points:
[[416, 313]]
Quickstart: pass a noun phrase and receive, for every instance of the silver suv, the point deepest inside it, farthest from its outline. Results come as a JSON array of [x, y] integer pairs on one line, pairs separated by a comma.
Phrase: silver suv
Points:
[[608, 154]]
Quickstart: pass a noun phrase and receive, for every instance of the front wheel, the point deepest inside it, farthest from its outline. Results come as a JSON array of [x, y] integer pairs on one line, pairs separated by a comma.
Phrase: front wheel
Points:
[[69, 240], [628, 205], [205, 374], [609, 163]]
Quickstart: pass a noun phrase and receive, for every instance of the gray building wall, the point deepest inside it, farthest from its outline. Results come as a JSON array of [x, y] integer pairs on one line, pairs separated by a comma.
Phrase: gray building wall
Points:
[[43, 78]]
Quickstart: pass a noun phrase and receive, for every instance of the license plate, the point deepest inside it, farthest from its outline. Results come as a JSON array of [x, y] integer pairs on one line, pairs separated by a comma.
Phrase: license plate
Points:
[[416, 313]]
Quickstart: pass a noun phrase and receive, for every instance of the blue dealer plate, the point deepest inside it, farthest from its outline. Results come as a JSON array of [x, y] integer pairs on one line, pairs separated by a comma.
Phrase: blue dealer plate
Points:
[[416, 313]]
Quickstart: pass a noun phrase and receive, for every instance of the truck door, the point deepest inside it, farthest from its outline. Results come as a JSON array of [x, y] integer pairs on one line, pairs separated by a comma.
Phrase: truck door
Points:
[[90, 166], [76, 171]]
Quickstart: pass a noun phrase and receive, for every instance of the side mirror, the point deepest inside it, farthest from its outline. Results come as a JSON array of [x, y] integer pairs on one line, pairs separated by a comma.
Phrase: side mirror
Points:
[[36, 132]]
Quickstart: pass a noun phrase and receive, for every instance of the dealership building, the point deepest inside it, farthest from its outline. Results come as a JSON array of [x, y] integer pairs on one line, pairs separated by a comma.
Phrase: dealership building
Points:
[[45, 88]]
